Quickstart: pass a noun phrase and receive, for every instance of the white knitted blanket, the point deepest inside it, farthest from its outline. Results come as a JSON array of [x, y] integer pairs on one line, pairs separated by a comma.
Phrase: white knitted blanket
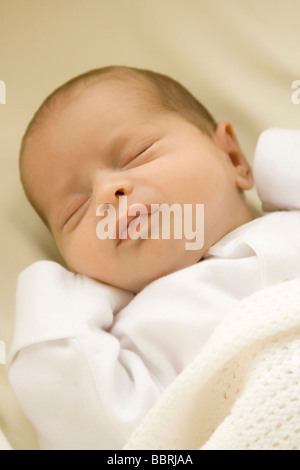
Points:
[[243, 390]]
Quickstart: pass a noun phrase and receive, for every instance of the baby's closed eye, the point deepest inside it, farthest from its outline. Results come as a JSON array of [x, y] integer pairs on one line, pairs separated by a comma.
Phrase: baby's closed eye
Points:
[[139, 157], [76, 212]]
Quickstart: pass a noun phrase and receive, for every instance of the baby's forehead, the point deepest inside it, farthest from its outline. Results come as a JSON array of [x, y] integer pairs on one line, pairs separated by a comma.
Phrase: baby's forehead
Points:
[[139, 93]]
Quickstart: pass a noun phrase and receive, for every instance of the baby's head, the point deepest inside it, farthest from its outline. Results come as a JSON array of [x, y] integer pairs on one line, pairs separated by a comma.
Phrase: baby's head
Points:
[[118, 132]]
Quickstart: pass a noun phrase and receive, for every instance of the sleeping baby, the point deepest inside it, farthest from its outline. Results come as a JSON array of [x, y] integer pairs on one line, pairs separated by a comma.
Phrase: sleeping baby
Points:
[[98, 341]]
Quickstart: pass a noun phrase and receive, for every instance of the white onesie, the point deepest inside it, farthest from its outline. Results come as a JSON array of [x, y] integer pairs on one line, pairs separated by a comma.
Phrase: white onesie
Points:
[[88, 361]]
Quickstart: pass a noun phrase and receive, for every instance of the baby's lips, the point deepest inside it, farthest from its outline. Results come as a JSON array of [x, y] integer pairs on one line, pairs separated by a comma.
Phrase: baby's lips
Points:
[[137, 210], [122, 226], [124, 220]]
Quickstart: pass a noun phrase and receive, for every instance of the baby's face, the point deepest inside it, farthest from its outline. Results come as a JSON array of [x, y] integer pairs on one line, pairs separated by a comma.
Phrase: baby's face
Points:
[[104, 144]]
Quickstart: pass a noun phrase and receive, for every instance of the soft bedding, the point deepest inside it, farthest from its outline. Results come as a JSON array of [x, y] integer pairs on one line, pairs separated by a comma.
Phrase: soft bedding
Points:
[[243, 391]]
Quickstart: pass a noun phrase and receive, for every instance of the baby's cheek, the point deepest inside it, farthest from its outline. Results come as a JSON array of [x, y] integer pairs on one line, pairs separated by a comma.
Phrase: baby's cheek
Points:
[[94, 258], [82, 253]]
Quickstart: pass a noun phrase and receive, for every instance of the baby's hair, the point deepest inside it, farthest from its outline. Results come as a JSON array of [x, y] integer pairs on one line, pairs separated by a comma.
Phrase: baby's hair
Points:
[[170, 95], [167, 95]]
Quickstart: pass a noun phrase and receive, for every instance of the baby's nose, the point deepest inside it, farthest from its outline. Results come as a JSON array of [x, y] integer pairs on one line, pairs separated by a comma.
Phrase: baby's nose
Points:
[[120, 192], [108, 190]]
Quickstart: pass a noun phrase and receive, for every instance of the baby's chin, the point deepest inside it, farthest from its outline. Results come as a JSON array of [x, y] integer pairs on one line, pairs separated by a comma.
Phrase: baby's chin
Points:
[[132, 284], [146, 267], [136, 284]]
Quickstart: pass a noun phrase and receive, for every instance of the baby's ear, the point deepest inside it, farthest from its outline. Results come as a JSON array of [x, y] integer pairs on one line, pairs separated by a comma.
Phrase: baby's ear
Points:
[[225, 138]]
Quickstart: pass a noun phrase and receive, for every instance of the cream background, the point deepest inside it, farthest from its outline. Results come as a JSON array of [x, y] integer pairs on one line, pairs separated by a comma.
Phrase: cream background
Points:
[[238, 57]]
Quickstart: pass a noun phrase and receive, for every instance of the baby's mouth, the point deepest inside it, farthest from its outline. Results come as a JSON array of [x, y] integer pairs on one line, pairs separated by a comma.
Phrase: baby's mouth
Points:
[[123, 223]]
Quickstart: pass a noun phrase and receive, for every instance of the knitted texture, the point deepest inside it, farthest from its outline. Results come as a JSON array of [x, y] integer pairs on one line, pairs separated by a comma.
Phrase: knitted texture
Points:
[[243, 391]]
